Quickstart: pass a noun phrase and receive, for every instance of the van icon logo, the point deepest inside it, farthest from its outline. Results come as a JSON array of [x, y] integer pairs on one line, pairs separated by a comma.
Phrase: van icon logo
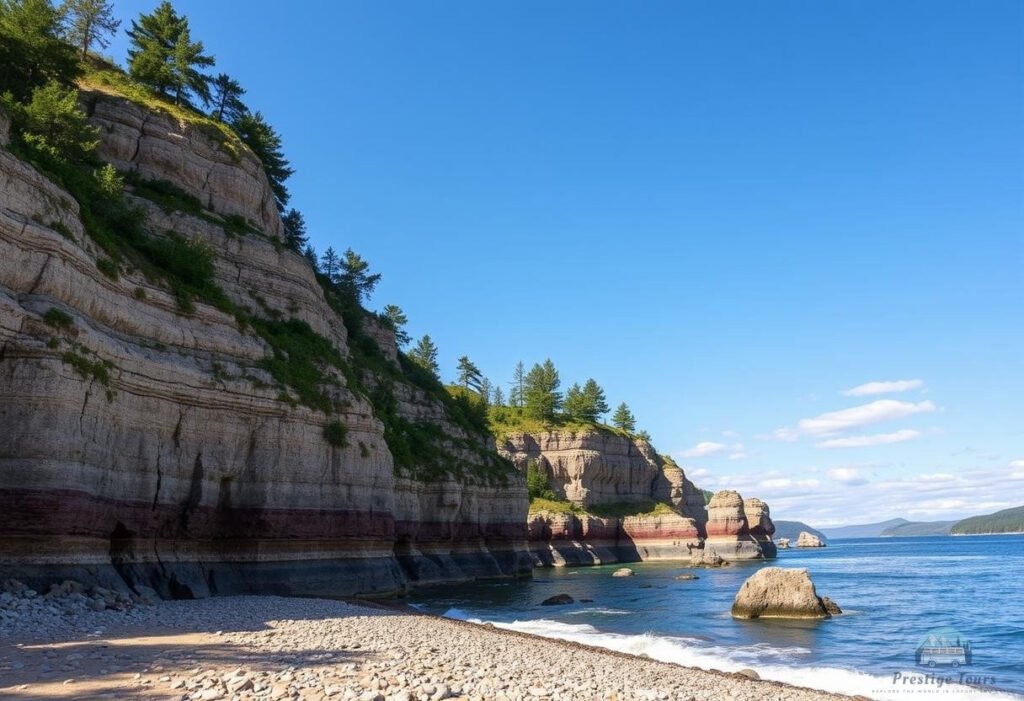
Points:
[[943, 647]]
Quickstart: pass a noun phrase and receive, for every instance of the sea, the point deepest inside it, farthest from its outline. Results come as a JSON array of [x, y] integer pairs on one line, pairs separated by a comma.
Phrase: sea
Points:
[[897, 594]]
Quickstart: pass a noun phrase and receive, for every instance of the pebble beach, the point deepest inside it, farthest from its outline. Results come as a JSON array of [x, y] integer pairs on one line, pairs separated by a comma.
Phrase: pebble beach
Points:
[[68, 645]]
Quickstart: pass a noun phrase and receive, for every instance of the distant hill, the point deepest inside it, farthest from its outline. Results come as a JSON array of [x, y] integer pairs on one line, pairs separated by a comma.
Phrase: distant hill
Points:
[[865, 530], [792, 529], [1005, 521], [919, 528]]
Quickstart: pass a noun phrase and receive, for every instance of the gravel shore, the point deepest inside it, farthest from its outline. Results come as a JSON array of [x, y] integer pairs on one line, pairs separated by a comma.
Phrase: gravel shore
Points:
[[312, 649]]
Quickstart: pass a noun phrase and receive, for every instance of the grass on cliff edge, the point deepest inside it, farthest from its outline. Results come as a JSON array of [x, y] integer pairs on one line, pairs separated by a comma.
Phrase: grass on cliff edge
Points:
[[107, 78], [507, 420], [617, 510]]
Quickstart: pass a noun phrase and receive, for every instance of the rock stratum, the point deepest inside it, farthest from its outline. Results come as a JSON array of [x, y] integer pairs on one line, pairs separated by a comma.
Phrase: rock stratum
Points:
[[597, 471], [143, 445]]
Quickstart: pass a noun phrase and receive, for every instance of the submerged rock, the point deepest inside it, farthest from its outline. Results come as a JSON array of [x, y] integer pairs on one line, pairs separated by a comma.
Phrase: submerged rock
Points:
[[558, 600], [686, 576], [808, 540], [774, 592], [831, 606], [707, 558], [623, 572]]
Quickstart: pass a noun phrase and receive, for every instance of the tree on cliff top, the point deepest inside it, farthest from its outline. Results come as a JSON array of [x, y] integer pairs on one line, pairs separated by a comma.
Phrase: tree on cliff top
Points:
[[396, 319], [31, 50], [164, 57], [354, 278], [586, 403], [469, 374], [53, 122], [89, 22], [425, 355], [227, 99], [540, 392], [258, 135], [623, 418], [515, 395], [295, 230]]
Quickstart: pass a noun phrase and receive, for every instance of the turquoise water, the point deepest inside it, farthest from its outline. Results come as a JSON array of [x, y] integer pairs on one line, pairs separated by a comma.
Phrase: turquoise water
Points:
[[893, 592]]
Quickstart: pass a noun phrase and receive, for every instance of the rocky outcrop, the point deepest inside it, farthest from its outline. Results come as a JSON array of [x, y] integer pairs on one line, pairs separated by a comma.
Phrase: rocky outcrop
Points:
[[729, 532], [808, 540], [595, 468], [143, 446], [201, 159], [782, 543], [774, 592], [760, 525]]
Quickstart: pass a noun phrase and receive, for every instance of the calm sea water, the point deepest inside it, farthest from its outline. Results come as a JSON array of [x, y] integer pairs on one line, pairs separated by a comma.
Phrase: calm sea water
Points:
[[893, 592]]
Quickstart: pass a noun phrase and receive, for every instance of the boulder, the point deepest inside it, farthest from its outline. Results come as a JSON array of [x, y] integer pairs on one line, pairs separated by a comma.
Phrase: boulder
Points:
[[623, 572], [807, 540], [774, 592], [685, 576], [831, 606], [707, 558], [735, 534], [782, 543], [558, 600]]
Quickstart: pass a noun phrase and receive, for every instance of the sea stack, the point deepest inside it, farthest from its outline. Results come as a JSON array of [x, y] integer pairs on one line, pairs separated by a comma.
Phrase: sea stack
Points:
[[728, 532], [774, 592], [808, 540]]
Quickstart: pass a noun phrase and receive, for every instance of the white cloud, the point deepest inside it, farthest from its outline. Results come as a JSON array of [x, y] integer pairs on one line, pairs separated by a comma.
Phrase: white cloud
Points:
[[703, 448], [1017, 475], [863, 415], [875, 439], [847, 475], [937, 477], [697, 473], [888, 387], [1017, 463], [739, 455]]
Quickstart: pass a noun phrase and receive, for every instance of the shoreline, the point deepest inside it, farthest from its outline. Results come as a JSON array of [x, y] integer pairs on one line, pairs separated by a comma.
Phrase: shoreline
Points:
[[256, 647]]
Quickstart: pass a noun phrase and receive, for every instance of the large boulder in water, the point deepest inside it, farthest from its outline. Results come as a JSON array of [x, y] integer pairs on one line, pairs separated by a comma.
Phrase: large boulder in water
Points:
[[557, 600], [807, 540], [774, 592]]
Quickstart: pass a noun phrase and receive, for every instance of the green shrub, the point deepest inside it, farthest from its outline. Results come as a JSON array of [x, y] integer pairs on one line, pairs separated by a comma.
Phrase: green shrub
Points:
[[537, 484], [58, 319], [336, 434], [139, 293], [107, 267], [164, 193], [88, 369], [53, 121]]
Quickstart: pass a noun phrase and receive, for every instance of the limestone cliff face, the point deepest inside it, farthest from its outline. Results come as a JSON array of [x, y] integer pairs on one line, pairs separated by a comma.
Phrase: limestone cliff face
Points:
[[598, 468], [142, 445]]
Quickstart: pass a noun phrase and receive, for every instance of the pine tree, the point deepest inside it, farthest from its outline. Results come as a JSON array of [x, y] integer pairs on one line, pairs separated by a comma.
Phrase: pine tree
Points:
[[425, 355], [31, 50], [515, 395], [485, 390], [227, 99], [540, 393], [623, 419], [310, 254], [88, 23], [53, 121], [354, 277], [329, 263], [164, 57], [643, 436], [576, 405], [294, 225], [258, 135], [397, 320], [596, 400], [469, 374], [499, 396]]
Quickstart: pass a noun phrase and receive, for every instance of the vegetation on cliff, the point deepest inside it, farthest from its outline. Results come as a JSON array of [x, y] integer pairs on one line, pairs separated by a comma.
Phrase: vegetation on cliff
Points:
[[49, 130]]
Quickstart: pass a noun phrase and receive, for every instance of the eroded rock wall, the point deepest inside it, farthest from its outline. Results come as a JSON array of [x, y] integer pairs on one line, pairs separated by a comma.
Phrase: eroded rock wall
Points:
[[141, 445]]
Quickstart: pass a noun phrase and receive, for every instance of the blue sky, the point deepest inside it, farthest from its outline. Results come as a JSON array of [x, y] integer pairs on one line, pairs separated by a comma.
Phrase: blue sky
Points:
[[726, 213]]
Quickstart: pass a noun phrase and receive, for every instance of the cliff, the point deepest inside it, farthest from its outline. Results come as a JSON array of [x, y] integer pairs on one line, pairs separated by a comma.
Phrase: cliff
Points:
[[618, 500], [255, 440]]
